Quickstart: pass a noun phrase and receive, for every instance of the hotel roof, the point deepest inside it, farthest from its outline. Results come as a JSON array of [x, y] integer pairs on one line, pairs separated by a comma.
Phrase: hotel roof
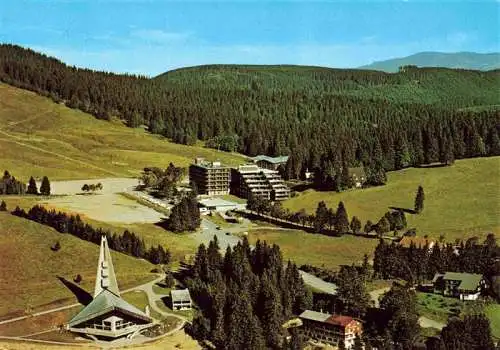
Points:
[[274, 160]]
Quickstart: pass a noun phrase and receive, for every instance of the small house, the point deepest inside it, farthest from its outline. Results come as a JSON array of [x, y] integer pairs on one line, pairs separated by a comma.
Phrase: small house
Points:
[[465, 286], [181, 299]]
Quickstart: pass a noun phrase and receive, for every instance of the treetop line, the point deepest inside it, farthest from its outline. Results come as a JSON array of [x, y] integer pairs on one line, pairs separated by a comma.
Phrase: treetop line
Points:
[[325, 119]]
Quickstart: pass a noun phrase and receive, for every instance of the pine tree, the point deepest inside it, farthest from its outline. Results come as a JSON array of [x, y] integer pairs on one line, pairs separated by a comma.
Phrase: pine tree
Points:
[[368, 226], [419, 200], [32, 189], [45, 186], [3, 206], [342, 220], [400, 303], [352, 291], [355, 224], [383, 226], [271, 313], [321, 217]]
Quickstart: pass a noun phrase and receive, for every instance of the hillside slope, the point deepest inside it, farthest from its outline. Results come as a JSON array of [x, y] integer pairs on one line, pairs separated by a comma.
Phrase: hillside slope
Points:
[[461, 60], [427, 86], [323, 118], [40, 138], [29, 270], [461, 200]]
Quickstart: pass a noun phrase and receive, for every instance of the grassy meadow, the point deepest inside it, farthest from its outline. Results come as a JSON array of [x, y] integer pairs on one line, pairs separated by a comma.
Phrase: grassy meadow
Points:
[[178, 244], [315, 249], [493, 313], [461, 200], [41, 137], [30, 269]]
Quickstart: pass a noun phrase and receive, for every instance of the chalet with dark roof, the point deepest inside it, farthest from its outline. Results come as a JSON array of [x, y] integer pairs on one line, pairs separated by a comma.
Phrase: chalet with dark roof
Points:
[[465, 286]]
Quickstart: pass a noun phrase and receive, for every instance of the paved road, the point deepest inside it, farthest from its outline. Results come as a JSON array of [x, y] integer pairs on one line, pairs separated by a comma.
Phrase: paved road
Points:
[[209, 230], [318, 283], [153, 298]]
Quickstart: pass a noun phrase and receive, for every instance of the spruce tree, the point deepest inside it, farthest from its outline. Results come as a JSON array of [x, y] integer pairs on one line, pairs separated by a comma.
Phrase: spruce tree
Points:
[[342, 221], [355, 224], [32, 189], [383, 226], [45, 186], [321, 217], [3, 206], [368, 226], [419, 200]]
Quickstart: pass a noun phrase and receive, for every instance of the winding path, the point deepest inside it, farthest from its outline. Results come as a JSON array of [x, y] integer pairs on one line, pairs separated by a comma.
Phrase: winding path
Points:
[[153, 298]]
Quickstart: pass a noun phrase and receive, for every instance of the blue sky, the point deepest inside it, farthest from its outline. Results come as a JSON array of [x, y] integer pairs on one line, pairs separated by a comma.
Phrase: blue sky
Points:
[[149, 37]]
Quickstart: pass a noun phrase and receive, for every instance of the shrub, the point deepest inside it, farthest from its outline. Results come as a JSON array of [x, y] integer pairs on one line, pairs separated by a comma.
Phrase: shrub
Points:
[[56, 246]]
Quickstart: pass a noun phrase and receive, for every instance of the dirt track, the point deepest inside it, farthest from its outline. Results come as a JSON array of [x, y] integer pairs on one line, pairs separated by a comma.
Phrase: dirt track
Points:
[[106, 205]]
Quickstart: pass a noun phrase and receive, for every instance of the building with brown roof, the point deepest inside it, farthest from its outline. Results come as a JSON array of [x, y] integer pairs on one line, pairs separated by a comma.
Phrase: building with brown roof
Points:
[[330, 329], [419, 242]]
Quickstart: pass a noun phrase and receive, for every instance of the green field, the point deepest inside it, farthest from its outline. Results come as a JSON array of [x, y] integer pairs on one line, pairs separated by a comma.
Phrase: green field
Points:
[[315, 249], [440, 308], [461, 200], [40, 138], [29, 269], [178, 244], [493, 313]]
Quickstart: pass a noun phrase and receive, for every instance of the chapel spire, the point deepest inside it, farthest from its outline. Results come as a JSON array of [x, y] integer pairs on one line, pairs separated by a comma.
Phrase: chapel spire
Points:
[[105, 278]]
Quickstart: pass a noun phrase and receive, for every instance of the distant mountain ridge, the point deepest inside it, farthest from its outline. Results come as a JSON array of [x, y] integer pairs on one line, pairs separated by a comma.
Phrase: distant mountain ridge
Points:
[[464, 60]]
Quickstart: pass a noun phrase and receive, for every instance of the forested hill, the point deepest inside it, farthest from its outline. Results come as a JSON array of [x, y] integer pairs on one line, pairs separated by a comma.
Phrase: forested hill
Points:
[[326, 119], [438, 86], [463, 60]]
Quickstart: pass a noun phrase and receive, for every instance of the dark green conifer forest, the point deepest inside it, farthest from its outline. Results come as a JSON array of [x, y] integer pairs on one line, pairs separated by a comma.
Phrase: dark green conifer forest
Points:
[[325, 119], [245, 295]]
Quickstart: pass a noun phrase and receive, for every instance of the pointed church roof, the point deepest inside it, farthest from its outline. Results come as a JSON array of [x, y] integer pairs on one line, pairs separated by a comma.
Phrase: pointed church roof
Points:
[[104, 303], [106, 294], [105, 278]]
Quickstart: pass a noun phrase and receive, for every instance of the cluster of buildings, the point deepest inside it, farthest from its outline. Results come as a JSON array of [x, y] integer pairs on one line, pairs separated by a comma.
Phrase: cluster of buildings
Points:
[[334, 329], [260, 178]]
